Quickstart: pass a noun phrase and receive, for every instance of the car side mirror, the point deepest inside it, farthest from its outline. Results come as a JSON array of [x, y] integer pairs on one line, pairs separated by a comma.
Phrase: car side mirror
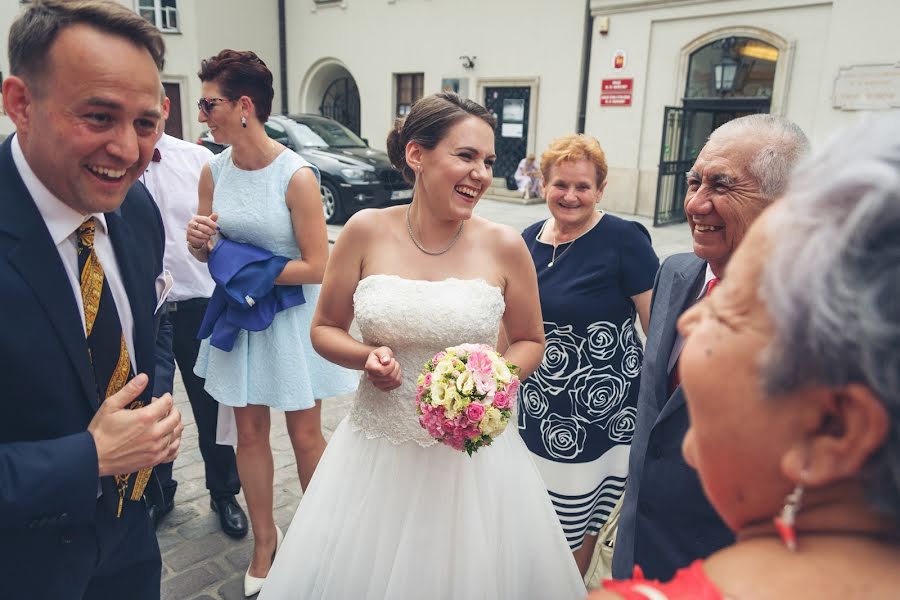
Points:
[[365, 141]]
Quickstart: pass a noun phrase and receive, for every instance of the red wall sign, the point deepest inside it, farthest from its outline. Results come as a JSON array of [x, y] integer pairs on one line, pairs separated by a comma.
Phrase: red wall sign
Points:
[[616, 86], [616, 92], [615, 100]]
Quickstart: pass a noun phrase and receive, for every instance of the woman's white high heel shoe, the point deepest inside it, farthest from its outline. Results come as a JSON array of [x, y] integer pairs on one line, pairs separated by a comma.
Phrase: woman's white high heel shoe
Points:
[[253, 585]]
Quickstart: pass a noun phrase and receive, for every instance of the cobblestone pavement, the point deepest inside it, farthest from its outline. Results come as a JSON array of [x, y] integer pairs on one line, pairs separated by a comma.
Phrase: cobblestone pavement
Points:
[[202, 563]]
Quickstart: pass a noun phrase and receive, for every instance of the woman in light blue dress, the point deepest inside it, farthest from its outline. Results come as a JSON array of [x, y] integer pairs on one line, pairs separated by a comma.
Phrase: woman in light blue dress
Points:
[[258, 192]]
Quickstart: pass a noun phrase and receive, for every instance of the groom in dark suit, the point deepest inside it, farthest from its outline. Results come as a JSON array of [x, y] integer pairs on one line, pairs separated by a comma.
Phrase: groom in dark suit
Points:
[[666, 521], [80, 252]]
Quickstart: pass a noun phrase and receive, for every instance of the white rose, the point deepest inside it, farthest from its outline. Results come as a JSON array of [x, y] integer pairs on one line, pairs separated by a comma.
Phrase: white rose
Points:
[[452, 400], [465, 383], [438, 392], [441, 369], [500, 369], [492, 422]]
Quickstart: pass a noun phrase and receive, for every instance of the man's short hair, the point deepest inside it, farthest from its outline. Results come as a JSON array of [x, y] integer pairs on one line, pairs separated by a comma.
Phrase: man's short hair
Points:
[[34, 32], [784, 144]]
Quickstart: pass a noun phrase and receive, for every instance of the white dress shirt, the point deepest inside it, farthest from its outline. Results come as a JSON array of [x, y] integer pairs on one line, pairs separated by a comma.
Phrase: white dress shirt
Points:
[[679, 340], [173, 184], [63, 222]]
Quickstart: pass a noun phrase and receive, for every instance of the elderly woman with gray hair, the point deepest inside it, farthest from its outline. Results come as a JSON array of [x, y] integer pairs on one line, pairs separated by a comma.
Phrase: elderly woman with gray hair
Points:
[[791, 370]]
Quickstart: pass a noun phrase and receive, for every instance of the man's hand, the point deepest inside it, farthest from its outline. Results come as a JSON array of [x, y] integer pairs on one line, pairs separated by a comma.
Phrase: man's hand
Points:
[[129, 440], [382, 369]]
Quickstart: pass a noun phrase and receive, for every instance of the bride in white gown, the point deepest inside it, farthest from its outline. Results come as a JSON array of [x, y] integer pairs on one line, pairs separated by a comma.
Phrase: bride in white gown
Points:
[[390, 513]]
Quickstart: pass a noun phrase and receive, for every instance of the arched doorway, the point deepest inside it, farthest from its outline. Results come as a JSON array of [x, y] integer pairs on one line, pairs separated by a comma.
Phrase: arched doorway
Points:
[[341, 103], [727, 77], [329, 89]]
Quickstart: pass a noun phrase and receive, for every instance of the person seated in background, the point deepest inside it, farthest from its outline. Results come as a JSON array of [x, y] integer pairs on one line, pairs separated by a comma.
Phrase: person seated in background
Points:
[[528, 177], [790, 369]]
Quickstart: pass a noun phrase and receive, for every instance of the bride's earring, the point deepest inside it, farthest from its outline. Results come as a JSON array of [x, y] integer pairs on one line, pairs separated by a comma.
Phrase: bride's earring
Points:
[[784, 522], [243, 121], [416, 181]]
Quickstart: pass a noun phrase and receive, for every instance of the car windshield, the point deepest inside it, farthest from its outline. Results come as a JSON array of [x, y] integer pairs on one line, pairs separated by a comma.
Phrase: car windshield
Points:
[[305, 136], [333, 133]]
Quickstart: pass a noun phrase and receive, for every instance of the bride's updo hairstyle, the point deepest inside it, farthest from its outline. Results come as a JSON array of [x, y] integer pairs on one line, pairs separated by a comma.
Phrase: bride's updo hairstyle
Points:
[[427, 123]]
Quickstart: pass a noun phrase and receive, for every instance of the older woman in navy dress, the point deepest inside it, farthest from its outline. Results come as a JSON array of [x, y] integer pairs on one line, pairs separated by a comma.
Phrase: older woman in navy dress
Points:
[[595, 274]]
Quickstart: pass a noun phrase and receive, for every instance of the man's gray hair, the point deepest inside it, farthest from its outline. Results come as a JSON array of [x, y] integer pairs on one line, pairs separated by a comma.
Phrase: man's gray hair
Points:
[[785, 145], [832, 283]]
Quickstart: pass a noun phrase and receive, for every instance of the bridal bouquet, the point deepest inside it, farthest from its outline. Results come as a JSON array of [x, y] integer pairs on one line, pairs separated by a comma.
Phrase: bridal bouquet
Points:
[[465, 394]]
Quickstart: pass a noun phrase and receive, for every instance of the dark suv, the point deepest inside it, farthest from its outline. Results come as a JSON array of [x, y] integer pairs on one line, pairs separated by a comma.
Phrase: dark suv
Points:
[[354, 176]]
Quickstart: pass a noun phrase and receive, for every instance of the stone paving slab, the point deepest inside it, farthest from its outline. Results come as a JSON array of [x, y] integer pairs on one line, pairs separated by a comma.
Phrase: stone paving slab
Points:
[[202, 563]]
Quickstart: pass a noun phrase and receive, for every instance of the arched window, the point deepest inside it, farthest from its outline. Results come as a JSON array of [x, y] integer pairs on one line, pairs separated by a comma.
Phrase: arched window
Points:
[[732, 67]]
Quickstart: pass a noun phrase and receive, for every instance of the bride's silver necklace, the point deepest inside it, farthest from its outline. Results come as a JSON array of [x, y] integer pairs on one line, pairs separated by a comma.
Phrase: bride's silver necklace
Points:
[[423, 248]]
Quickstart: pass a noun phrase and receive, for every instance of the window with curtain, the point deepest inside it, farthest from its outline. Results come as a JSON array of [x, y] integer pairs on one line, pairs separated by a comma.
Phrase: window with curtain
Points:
[[408, 88], [162, 13]]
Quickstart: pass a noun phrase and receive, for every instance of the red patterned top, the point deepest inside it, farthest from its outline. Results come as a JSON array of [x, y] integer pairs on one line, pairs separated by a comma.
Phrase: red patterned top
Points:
[[690, 583]]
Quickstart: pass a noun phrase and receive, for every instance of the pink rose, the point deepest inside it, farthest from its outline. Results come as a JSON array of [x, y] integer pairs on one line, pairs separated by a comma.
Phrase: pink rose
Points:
[[485, 383], [480, 364], [438, 357], [427, 382], [512, 388], [475, 412], [501, 400]]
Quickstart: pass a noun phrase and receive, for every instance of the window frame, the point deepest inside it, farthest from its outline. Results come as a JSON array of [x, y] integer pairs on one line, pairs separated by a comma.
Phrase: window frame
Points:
[[162, 15], [402, 93]]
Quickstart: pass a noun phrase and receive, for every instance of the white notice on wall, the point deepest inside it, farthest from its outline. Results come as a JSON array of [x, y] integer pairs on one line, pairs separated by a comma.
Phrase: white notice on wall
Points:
[[867, 87], [512, 130]]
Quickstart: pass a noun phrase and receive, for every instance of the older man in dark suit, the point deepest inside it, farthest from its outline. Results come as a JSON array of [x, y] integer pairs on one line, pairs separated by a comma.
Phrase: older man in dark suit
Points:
[[80, 252], [666, 521]]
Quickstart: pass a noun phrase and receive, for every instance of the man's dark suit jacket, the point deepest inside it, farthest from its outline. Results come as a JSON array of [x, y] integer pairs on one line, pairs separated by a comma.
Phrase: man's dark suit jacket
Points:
[[48, 461], [666, 521]]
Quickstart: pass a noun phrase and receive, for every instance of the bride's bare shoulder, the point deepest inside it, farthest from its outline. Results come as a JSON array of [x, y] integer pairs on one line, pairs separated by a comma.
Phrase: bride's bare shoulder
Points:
[[369, 222], [502, 236]]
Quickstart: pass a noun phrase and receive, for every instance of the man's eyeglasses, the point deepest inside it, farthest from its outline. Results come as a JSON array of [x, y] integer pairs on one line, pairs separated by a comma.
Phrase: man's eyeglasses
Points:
[[207, 104]]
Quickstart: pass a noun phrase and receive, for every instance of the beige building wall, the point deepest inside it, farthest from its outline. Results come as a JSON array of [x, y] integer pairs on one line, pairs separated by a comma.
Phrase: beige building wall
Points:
[[815, 38], [531, 41], [239, 25]]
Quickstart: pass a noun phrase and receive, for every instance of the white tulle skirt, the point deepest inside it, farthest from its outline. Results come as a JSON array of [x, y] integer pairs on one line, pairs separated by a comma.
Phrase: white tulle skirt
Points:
[[403, 522]]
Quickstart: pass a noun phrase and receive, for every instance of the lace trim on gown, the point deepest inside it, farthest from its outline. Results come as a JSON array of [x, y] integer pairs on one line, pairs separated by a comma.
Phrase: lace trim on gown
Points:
[[416, 318]]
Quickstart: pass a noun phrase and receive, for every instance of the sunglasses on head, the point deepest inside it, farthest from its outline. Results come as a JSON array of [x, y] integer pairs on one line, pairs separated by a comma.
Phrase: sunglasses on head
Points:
[[207, 104]]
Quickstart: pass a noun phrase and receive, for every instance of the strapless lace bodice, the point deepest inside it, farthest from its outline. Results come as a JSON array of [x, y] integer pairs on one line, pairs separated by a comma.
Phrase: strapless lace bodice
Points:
[[416, 319]]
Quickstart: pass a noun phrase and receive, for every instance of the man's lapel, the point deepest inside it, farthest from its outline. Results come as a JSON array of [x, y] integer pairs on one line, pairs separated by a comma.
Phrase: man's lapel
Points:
[[122, 238], [35, 258], [684, 289]]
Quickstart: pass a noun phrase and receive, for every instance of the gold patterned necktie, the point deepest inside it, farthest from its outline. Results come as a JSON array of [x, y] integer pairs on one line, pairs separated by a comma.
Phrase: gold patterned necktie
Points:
[[106, 343]]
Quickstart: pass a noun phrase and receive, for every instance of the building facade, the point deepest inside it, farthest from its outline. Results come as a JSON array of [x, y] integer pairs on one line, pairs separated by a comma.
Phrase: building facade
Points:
[[649, 78], [690, 65], [370, 59], [193, 30]]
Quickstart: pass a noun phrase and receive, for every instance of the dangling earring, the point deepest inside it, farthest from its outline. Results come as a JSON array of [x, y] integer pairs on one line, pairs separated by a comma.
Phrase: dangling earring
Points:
[[243, 121], [416, 182], [784, 522]]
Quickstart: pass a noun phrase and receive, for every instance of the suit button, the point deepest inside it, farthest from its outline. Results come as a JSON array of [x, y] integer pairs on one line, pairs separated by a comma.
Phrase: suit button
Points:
[[66, 537], [656, 451], [645, 508], [64, 517], [33, 524]]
